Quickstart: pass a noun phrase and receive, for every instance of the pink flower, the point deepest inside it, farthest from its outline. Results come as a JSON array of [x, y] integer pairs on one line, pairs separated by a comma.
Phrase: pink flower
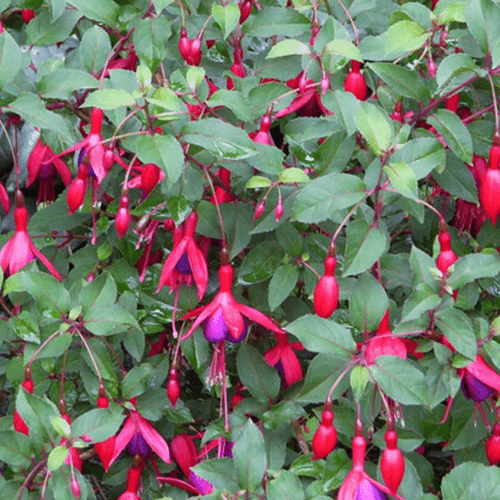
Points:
[[20, 250], [138, 433], [45, 172], [224, 315], [283, 356], [93, 146], [186, 258]]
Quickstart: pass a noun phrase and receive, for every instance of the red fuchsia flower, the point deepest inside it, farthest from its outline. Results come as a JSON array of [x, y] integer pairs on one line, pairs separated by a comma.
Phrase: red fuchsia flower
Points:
[[284, 358], [106, 448], [221, 195], [355, 82], [129, 62], [19, 423], [384, 344], [186, 258], [20, 250], [263, 135], [27, 15], [45, 172], [325, 438], [326, 293], [492, 445], [237, 67], [224, 316], [147, 179], [74, 456], [93, 146], [4, 199], [133, 482], [138, 435]]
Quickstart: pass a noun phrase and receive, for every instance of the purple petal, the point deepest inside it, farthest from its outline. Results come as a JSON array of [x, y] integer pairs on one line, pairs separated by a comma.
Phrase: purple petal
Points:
[[183, 265], [204, 487], [474, 389], [137, 445], [368, 491], [215, 328]]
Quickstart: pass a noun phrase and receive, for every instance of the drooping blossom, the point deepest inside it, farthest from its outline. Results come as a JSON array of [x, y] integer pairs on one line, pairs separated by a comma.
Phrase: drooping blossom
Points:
[[20, 250], [133, 481], [93, 146], [104, 449], [221, 194], [384, 344], [45, 172], [148, 177], [185, 258], [224, 315], [284, 358], [138, 435]]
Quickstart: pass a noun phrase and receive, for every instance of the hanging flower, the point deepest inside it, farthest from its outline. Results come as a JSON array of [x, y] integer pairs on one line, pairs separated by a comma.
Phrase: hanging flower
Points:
[[284, 358], [93, 146], [186, 258], [45, 172], [133, 482], [138, 435], [20, 250], [224, 315]]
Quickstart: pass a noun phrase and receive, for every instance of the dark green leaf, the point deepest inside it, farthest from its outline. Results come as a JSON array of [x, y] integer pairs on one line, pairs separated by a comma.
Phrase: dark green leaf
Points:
[[457, 328], [108, 319], [422, 299], [94, 49], [374, 126], [261, 263], [10, 58], [42, 31], [271, 21], [150, 40], [220, 473], [404, 81], [474, 266], [422, 155], [99, 424], [106, 11], [367, 304], [137, 381], [286, 486], [483, 19], [62, 83], [282, 284]]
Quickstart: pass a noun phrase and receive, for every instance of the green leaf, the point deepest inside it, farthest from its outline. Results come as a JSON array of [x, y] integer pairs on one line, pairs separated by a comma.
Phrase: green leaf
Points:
[[322, 372], [404, 36], [98, 424], [61, 426], [404, 81], [457, 483], [44, 288], [62, 83], [282, 284], [290, 239], [403, 179], [282, 414], [271, 21], [227, 17], [422, 299], [324, 196], [256, 375], [32, 109], [249, 454], [400, 380], [293, 175], [57, 8], [257, 181], [223, 140], [322, 335], [194, 77], [456, 179], [42, 31], [165, 152], [260, 263], [453, 65], [220, 473], [422, 155], [110, 99], [106, 11], [374, 126], [457, 328], [108, 319], [10, 58], [454, 132], [15, 449], [233, 100], [421, 263], [137, 381], [342, 48], [359, 380], [289, 47], [94, 49], [483, 19], [472, 267], [365, 245], [102, 290], [368, 303], [57, 457], [161, 4], [151, 40], [286, 486]]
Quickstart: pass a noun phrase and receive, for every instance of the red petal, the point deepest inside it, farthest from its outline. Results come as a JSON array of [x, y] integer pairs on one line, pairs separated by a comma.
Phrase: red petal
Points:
[[207, 311], [61, 168], [170, 263], [72, 149], [4, 199], [198, 267], [153, 438], [350, 485], [179, 484], [291, 366], [258, 317], [96, 156], [35, 161], [231, 314], [125, 435], [273, 355]]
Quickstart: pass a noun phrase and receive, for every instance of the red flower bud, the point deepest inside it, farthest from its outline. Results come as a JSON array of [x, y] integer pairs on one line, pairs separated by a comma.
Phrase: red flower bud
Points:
[[355, 82], [325, 438], [492, 445], [278, 210], [259, 210], [123, 218], [173, 386], [245, 9], [75, 486], [149, 177], [27, 15], [490, 187], [392, 464], [447, 256], [77, 189], [184, 452], [326, 293]]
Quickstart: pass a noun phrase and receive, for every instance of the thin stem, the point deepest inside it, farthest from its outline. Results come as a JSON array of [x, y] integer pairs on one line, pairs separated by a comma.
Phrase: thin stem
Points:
[[356, 34], [219, 214], [495, 105], [91, 355], [351, 363], [39, 350]]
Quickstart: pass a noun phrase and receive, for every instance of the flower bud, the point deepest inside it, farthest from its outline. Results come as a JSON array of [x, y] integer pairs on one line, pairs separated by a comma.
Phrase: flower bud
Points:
[[325, 438]]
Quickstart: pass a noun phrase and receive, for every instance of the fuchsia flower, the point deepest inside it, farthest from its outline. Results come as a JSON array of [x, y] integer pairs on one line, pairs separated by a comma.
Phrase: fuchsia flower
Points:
[[185, 258], [138, 435], [20, 250], [45, 172], [282, 356], [93, 146], [4, 199], [133, 482], [224, 316]]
